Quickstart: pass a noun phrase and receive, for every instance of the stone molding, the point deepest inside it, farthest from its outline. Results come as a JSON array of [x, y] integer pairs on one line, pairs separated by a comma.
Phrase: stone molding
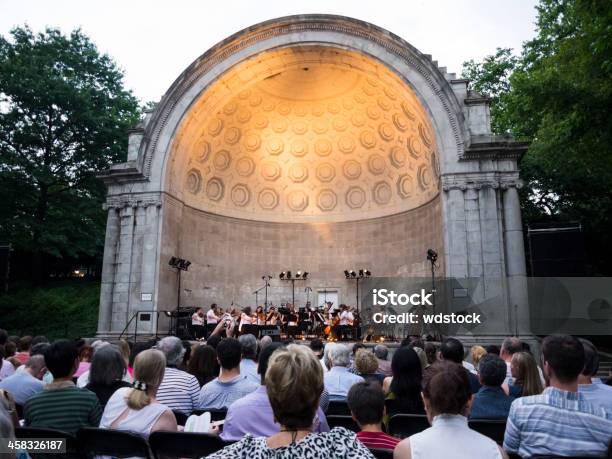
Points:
[[477, 181], [133, 200]]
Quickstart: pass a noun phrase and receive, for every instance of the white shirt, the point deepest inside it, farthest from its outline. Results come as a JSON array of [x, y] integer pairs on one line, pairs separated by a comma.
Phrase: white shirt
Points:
[[211, 317], [7, 369], [137, 421], [245, 319], [346, 317], [196, 319], [459, 441]]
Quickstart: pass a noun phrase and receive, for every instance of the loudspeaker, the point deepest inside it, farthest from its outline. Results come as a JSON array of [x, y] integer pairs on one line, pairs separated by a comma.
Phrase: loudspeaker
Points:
[[557, 250]]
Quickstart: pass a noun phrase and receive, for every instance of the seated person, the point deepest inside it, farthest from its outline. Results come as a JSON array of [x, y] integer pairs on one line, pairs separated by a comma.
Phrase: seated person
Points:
[[452, 349], [446, 394], [560, 421], [294, 381], [230, 386], [366, 366], [248, 364], [136, 409], [252, 414], [403, 389], [491, 402], [62, 405], [367, 404], [525, 376], [179, 390], [23, 384], [106, 373], [596, 393], [338, 380]]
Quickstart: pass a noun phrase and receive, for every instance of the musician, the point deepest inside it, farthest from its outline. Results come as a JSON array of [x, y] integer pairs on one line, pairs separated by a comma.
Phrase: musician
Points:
[[197, 323], [292, 320], [260, 316], [246, 318], [274, 316], [346, 321], [212, 317]]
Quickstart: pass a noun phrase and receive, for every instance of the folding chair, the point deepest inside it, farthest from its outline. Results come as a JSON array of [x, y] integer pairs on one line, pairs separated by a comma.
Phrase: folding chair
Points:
[[106, 442], [184, 444], [381, 453], [340, 420], [404, 425], [492, 428], [72, 445], [338, 407]]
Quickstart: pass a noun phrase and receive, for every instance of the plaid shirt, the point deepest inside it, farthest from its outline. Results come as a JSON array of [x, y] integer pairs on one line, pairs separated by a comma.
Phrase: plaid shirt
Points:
[[558, 423]]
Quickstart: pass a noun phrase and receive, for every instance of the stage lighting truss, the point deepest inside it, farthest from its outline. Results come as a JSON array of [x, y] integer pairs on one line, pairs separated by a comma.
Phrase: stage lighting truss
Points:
[[359, 274], [288, 275]]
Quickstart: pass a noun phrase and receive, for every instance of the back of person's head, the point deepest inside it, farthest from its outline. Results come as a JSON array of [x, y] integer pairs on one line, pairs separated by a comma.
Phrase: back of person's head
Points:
[[563, 356], [24, 344], [125, 349], [366, 401], [356, 348], [203, 363], [38, 349], [137, 349], [248, 343], [446, 389], [264, 359], [492, 370], [381, 351], [36, 365], [229, 352], [173, 349], [60, 358], [430, 352], [365, 362], [492, 349], [452, 350], [591, 358], [39, 339], [477, 352], [264, 341], [214, 340], [9, 349], [86, 353], [149, 367], [294, 382], [107, 366], [407, 373], [317, 346], [3, 336], [510, 346], [525, 373], [339, 355]]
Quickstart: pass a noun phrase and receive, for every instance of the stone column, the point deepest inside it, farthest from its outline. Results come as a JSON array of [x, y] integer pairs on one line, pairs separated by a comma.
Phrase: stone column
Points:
[[148, 268], [455, 228], [515, 259], [123, 271], [108, 270]]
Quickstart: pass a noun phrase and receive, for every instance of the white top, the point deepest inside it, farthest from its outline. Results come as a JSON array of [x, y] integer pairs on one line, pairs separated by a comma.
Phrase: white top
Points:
[[245, 319], [83, 380], [137, 421], [196, 319], [7, 369], [211, 317], [460, 442], [346, 317]]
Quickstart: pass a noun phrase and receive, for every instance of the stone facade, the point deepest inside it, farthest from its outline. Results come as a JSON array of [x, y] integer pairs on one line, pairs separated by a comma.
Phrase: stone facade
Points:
[[319, 143]]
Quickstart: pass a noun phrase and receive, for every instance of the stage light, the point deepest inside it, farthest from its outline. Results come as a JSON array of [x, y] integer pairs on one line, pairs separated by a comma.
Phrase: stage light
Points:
[[361, 273], [432, 255], [173, 261], [305, 275], [353, 273], [347, 274], [298, 274], [367, 272], [288, 274], [282, 275], [168, 313]]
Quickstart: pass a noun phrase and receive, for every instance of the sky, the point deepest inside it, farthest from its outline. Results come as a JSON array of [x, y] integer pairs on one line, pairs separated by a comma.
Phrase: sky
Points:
[[154, 41]]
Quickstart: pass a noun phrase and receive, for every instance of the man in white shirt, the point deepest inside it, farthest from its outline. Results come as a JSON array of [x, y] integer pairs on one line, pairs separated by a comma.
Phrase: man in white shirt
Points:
[[510, 346], [596, 394], [212, 318], [346, 321], [338, 380]]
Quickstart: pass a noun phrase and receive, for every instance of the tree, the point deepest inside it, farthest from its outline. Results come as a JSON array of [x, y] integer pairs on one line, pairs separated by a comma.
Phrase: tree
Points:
[[64, 116]]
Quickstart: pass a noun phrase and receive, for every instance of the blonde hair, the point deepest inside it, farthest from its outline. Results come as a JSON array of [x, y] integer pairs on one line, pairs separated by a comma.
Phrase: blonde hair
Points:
[[294, 381], [422, 357], [366, 363], [525, 373], [149, 367], [477, 352]]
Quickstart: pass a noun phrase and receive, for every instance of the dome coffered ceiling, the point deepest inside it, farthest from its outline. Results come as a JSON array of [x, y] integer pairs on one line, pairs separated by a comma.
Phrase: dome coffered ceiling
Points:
[[306, 134]]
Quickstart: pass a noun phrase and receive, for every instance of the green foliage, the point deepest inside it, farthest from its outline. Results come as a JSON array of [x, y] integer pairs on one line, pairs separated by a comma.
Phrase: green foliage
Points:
[[559, 97], [64, 116], [63, 310]]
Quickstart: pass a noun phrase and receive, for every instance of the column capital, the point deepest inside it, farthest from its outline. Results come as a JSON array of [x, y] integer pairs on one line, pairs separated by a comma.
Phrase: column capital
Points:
[[133, 200], [480, 180]]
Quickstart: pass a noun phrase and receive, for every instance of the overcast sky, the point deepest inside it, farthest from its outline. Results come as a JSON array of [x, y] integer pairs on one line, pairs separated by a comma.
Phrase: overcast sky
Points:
[[154, 41]]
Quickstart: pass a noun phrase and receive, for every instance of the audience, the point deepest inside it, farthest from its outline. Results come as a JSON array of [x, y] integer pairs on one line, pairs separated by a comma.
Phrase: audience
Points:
[[403, 389], [222, 391], [366, 366], [338, 380], [252, 414], [79, 407], [525, 376], [594, 392], [384, 366], [136, 409], [23, 384], [447, 393], [509, 347], [431, 352], [179, 390], [491, 402], [477, 353], [560, 421], [203, 363], [452, 349], [85, 356], [248, 365], [366, 401], [6, 367], [294, 382], [23, 346], [106, 373]]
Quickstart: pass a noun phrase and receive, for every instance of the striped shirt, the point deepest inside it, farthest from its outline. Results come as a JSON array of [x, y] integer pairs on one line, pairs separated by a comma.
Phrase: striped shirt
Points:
[[63, 407], [558, 423], [378, 440], [179, 390]]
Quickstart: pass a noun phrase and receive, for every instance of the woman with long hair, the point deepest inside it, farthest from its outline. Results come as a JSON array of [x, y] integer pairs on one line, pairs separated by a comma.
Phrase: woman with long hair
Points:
[[403, 389], [106, 374], [525, 376], [203, 364], [136, 409]]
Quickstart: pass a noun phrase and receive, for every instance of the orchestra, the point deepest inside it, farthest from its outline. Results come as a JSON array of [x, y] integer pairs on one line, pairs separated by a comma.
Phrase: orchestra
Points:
[[341, 323]]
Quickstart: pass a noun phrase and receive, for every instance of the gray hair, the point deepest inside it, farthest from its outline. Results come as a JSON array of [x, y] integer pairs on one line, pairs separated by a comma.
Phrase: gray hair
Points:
[[36, 362], [248, 343], [107, 366], [264, 341], [339, 355], [381, 351], [512, 345], [173, 349]]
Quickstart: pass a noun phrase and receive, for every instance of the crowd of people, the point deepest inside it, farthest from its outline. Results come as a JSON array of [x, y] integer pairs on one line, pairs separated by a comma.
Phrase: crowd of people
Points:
[[276, 395]]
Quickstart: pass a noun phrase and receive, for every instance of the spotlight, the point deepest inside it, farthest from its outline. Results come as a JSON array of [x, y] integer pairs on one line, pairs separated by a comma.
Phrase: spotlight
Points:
[[361, 273], [353, 273], [282, 275], [288, 274], [298, 274], [347, 274], [432, 255], [367, 272], [168, 313], [173, 261], [305, 275]]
